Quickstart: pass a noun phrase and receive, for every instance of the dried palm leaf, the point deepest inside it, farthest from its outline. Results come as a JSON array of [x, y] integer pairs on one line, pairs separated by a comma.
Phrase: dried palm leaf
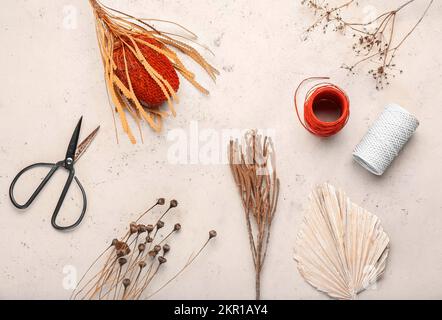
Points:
[[341, 248], [253, 168], [140, 65]]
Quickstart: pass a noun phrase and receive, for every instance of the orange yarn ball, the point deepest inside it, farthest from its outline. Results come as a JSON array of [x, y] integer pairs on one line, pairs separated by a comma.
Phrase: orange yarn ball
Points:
[[144, 86]]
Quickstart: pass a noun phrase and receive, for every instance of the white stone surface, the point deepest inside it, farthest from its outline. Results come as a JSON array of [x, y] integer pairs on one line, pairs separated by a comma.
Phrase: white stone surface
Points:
[[51, 75]]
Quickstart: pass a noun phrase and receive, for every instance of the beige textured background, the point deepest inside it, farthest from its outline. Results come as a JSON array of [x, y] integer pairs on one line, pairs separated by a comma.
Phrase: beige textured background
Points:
[[50, 75]]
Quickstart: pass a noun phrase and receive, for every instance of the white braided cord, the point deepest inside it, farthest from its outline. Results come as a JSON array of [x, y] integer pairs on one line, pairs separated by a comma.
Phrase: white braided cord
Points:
[[385, 139]]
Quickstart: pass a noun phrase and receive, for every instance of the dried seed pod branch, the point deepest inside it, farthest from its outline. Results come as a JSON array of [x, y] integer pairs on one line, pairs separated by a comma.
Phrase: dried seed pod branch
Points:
[[375, 40], [131, 264], [140, 65], [253, 169]]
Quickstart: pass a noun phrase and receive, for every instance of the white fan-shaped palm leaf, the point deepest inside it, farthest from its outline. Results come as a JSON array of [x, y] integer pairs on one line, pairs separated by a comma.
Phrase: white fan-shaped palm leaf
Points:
[[341, 248]]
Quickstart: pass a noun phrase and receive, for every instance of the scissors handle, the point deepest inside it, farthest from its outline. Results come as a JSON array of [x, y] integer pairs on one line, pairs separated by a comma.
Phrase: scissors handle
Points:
[[61, 200], [54, 167]]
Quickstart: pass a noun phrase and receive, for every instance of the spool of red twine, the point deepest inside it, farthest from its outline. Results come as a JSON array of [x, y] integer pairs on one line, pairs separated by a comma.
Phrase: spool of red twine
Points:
[[326, 98]]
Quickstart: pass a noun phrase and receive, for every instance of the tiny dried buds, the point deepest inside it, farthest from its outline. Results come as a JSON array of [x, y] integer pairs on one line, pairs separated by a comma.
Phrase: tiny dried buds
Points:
[[375, 41], [212, 234], [166, 249], [177, 227], [161, 201]]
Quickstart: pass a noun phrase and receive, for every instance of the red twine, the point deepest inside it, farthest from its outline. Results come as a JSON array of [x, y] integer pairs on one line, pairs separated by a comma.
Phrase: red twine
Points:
[[323, 94]]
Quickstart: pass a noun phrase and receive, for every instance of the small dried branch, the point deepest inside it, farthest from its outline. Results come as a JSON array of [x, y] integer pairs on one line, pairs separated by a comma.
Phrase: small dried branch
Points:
[[253, 169], [374, 40], [132, 263]]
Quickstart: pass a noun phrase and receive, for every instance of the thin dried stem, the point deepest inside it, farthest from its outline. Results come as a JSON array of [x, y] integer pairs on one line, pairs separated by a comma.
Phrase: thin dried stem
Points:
[[189, 262]]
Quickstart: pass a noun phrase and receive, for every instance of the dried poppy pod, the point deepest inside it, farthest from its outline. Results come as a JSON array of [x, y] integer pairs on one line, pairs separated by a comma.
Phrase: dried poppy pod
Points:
[[160, 224], [141, 66], [126, 283], [173, 203], [153, 253], [121, 245], [162, 260], [133, 228], [122, 249], [122, 261], [142, 228], [141, 247]]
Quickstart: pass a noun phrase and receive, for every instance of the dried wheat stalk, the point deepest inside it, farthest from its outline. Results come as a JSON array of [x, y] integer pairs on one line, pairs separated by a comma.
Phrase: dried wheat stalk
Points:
[[253, 168]]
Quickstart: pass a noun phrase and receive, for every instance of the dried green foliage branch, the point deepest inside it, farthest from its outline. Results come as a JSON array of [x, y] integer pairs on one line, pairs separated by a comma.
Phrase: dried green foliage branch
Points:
[[128, 267], [253, 169], [376, 41]]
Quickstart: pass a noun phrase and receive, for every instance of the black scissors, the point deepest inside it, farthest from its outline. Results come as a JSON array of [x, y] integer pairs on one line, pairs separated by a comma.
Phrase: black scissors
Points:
[[72, 155]]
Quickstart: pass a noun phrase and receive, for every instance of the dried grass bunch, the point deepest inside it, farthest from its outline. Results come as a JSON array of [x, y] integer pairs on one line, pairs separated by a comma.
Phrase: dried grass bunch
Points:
[[128, 267], [253, 168], [375, 40], [140, 65]]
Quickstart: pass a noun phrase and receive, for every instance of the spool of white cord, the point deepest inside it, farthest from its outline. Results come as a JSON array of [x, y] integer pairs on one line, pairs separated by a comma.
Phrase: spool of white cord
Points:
[[383, 141]]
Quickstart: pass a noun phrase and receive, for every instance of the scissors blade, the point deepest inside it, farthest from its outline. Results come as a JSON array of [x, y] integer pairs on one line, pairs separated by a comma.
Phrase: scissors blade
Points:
[[70, 153], [85, 144]]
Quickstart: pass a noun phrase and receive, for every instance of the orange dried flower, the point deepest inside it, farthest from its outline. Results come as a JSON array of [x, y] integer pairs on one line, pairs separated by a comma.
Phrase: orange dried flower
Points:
[[144, 86], [141, 66]]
